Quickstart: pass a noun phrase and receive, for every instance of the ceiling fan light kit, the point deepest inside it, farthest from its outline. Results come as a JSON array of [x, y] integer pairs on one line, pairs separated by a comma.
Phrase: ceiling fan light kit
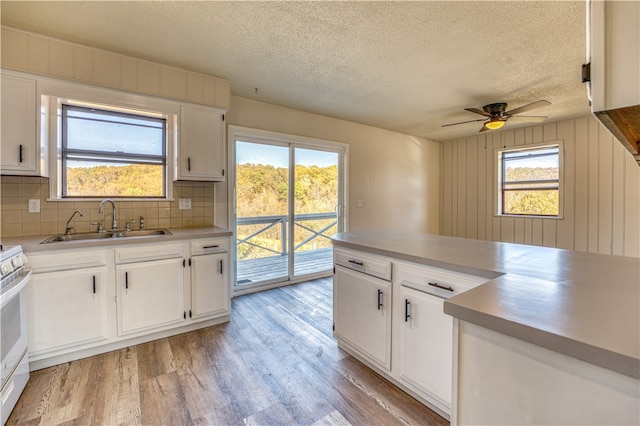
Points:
[[494, 124], [497, 115]]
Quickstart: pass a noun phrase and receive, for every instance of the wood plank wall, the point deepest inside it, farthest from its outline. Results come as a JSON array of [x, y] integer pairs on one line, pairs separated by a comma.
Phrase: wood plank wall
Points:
[[600, 192]]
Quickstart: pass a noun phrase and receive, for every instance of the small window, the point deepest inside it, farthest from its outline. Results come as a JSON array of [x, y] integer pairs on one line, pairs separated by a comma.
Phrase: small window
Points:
[[112, 154], [529, 181]]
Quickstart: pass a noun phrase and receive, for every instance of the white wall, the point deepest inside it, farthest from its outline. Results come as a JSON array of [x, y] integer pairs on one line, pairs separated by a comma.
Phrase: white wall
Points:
[[601, 190], [396, 175]]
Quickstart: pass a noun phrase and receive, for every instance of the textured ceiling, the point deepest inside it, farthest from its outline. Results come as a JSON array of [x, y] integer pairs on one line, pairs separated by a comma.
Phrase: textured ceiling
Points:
[[404, 66]]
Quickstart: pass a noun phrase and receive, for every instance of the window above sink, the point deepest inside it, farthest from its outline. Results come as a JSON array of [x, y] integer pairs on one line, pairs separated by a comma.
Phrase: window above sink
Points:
[[107, 143]]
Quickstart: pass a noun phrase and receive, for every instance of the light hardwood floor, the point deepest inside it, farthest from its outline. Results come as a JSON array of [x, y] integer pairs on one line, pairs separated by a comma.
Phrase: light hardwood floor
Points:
[[275, 363]]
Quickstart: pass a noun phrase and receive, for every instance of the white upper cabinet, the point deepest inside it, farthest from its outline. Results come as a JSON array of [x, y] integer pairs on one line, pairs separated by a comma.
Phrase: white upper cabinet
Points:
[[200, 153], [614, 54], [20, 145]]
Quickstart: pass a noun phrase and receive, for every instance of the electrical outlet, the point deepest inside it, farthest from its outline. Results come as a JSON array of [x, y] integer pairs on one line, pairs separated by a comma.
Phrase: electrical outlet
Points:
[[360, 203], [184, 203], [34, 206]]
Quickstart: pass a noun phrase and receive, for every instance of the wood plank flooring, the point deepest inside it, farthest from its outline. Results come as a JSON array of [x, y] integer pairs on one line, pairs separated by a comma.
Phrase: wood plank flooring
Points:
[[275, 363]]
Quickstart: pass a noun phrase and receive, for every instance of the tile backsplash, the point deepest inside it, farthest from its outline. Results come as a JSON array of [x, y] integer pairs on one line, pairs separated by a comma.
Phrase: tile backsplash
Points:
[[16, 221]]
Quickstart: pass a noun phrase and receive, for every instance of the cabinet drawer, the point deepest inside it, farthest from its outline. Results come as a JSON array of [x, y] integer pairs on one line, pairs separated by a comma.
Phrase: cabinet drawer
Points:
[[440, 282], [67, 260], [148, 252], [216, 245], [371, 265]]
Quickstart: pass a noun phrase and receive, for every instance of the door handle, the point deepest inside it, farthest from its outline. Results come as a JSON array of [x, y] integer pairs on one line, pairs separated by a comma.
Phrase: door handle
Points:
[[94, 284], [380, 297], [20, 151], [220, 270], [126, 280]]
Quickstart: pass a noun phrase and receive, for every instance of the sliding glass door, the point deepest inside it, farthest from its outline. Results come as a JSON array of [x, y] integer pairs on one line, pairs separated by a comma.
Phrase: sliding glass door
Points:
[[287, 205]]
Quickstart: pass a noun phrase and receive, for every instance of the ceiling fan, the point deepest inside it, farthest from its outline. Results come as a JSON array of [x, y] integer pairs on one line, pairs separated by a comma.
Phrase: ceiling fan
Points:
[[496, 115]]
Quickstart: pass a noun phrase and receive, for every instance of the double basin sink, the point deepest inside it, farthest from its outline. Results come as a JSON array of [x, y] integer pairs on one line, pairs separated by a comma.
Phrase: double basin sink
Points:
[[107, 234]]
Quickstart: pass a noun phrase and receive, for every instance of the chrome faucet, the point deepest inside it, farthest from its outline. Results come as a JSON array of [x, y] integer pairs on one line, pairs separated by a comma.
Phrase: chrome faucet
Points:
[[69, 228], [114, 224]]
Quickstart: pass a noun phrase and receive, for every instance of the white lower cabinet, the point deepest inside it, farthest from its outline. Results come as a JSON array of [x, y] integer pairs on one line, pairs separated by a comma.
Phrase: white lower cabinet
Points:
[[85, 302], [150, 295], [362, 314], [410, 343], [423, 344], [67, 308], [209, 285]]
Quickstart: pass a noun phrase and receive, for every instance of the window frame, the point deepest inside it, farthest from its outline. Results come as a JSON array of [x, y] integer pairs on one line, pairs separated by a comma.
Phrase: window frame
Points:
[[52, 93], [111, 156], [500, 171]]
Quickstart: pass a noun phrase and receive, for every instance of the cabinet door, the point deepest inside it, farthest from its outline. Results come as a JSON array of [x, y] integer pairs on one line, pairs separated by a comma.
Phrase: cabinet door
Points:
[[19, 143], [362, 314], [423, 344], [66, 308], [201, 146], [209, 286], [150, 295]]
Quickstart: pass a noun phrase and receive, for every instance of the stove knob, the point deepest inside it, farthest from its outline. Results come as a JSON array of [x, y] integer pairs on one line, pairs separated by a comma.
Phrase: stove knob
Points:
[[23, 257], [6, 268], [16, 262]]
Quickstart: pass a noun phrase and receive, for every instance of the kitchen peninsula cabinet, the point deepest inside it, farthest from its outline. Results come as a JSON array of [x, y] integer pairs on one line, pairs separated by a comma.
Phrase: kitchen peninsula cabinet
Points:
[[20, 146], [389, 314], [200, 153], [527, 346], [362, 314]]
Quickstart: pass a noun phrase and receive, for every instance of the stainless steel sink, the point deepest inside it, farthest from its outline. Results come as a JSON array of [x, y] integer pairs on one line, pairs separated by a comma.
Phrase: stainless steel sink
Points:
[[88, 236]]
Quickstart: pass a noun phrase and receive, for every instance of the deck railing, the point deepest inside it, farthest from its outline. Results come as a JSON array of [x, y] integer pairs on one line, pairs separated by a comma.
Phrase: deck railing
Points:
[[270, 222]]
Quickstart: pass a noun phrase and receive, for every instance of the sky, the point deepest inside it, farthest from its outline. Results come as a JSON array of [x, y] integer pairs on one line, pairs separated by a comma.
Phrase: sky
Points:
[[278, 156]]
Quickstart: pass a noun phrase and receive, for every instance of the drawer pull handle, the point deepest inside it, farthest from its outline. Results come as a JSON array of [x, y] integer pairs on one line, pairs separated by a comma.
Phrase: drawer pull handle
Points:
[[379, 299], [213, 246], [356, 262], [441, 286], [406, 310]]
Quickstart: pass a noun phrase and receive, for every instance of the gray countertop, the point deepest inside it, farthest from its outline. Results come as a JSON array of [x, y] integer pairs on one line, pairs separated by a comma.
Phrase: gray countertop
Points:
[[33, 244], [583, 305]]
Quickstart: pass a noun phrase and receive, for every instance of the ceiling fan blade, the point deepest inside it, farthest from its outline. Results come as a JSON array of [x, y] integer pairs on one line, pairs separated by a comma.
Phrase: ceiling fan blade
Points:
[[484, 129], [478, 111], [463, 122], [526, 119], [528, 107]]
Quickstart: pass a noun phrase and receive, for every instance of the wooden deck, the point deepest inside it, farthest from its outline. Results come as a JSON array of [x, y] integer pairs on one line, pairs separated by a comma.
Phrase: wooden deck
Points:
[[268, 268]]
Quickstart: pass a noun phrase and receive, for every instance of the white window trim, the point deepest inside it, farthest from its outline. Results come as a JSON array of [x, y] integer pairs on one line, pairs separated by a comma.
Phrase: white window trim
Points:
[[497, 205], [53, 93]]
